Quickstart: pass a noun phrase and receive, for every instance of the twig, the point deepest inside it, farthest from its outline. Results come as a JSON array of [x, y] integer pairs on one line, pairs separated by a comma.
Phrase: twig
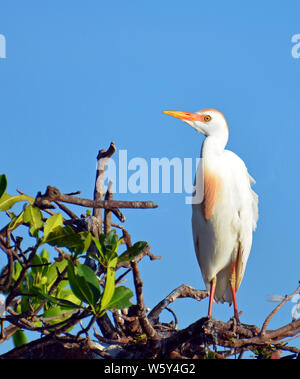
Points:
[[45, 209], [119, 321], [66, 210], [118, 214], [174, 315], [180, 292], [276, 309], [62, 315], [121, 341], [13, 292], [86, 330], [122, 275], [288, 348], [7, 272], [270, 337], [62, 255], [8, 332], [107, 212]]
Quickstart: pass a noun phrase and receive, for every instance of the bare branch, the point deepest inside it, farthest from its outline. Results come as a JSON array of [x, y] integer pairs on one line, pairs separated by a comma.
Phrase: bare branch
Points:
[[53, 194], [102, 158], [66, 210], [180, 292], [138, 284], [107, 212], [268, 319]]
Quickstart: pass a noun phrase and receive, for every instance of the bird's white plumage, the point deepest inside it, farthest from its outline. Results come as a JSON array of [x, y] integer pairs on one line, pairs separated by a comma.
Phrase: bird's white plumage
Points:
[[228, 232], [223, 223]]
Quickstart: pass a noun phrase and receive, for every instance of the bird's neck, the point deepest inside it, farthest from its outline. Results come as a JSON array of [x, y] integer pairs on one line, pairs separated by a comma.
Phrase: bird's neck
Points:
[[214, 145]]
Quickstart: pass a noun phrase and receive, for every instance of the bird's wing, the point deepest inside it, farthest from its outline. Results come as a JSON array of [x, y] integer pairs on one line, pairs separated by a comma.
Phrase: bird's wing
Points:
[[245, 204], [254, 203], [248, 216]]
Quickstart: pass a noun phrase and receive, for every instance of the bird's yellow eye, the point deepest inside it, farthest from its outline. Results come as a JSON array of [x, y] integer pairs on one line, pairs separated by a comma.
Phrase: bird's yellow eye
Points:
[[207, 118]]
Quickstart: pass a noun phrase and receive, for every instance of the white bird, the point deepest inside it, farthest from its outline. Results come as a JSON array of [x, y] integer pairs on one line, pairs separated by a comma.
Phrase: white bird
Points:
[[225, 219]]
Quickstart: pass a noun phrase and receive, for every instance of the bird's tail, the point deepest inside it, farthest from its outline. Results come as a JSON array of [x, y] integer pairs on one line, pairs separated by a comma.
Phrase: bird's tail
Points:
[[223, 289]]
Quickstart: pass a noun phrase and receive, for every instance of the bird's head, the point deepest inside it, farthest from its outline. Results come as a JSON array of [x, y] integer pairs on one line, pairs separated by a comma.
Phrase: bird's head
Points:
[[207, 121]]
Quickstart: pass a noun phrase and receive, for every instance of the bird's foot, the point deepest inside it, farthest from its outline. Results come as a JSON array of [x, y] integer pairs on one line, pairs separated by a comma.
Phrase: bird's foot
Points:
[[235, 321]]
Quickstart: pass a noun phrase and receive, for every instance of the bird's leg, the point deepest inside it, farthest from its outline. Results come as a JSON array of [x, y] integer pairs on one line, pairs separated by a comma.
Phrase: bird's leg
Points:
[[211, 294], [232, 285]]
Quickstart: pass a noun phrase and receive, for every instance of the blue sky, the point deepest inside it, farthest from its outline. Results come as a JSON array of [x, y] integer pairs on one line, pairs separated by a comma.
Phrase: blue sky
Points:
[[79, 75]]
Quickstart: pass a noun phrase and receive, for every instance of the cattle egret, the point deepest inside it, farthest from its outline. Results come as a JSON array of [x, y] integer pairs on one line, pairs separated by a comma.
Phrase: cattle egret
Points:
[[225, 219]]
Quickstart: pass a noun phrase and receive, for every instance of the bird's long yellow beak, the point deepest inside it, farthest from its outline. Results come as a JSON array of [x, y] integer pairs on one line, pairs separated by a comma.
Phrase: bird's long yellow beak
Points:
[[185, 116]]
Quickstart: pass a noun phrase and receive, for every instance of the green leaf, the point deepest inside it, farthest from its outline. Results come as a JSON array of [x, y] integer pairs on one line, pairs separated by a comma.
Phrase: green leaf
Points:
[[211, 355], [17, 270], [55, 311], [109, 284], [87, 240], [33, 217], [133, 251], [107, 246], [139, 338], [99, 248], [25, 304], [52, 312], [16, 221], [19, 338], [86, 272], [110, 240], [3, 184], [37, 260], [46, 262], [7, 201], [59, 235], [80, 286], [52, 273], [52, 223], [120, 298], [62, 302], [67, 294], [39, 271], [45, 255], [67, 237]]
